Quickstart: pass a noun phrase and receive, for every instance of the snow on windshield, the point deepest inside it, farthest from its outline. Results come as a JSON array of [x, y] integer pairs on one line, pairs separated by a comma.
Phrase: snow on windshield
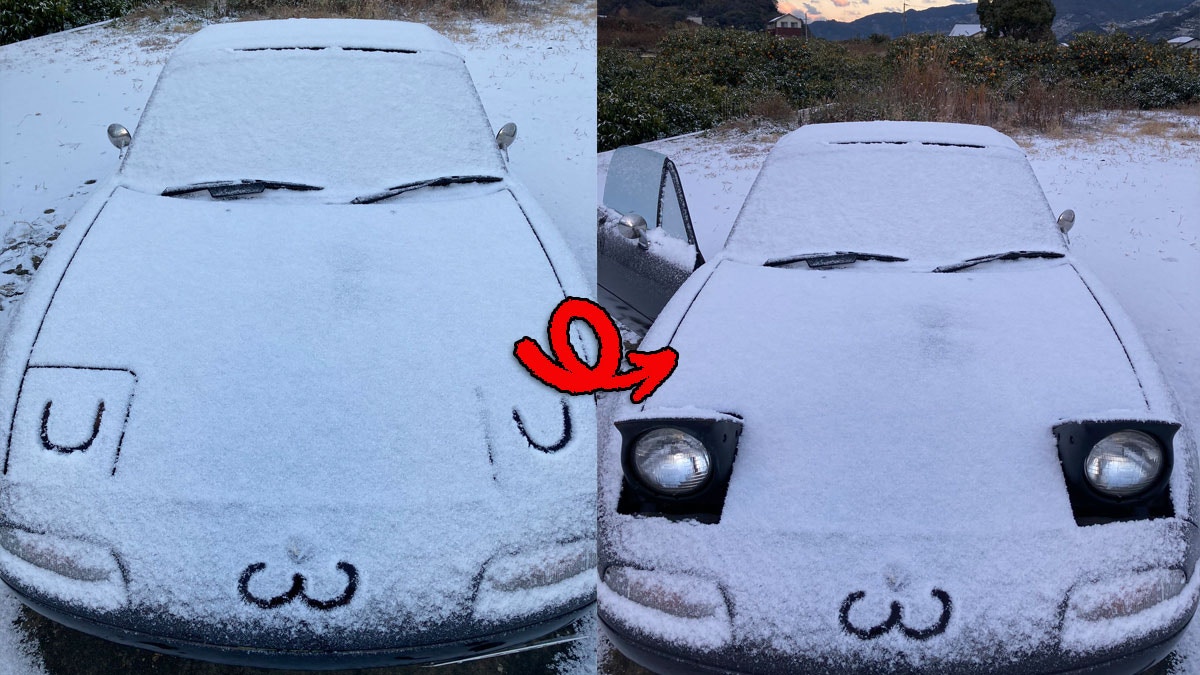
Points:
[[936, 201], [350, 120]]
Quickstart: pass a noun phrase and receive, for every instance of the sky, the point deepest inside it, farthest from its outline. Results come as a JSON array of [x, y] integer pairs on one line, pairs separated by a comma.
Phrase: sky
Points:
[[849, 10]]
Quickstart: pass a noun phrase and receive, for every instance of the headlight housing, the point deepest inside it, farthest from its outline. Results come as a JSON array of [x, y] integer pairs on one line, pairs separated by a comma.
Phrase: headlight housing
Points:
[[677, 463], [1117, 469]]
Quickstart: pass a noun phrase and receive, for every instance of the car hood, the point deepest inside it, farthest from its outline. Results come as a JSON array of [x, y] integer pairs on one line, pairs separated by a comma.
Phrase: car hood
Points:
[[300, 387], [896, 441]]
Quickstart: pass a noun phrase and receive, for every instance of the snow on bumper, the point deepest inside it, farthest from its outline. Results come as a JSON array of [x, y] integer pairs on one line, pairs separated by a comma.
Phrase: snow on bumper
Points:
[[366, 580], [792, 601]]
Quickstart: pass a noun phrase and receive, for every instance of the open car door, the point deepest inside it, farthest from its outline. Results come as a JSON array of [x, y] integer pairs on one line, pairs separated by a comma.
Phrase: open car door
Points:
[[645, 245]]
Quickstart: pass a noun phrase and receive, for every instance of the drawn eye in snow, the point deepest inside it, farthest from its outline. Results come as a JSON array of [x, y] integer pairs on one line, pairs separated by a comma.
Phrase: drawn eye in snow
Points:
[[896, 618], [68, 449], [552, 447], [297, 589], [70, 418]]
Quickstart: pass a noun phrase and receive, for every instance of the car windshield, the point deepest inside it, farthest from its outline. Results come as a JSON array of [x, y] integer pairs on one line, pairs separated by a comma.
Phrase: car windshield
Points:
[[343, 119], [934, 204]]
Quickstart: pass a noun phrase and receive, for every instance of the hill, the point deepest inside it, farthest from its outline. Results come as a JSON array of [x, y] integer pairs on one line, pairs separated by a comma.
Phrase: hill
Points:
[[747, 14], [1073, 16]]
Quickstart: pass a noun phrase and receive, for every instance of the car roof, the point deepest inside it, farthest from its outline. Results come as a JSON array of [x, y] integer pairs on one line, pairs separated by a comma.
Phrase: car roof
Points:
[[932, 193], [218, 113], [932, 133], [318, 33]]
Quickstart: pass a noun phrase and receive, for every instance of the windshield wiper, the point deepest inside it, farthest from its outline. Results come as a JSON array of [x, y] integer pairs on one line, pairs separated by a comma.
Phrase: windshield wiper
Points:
[[224, 189], [1011, 255], [433, 182], [818, 261]]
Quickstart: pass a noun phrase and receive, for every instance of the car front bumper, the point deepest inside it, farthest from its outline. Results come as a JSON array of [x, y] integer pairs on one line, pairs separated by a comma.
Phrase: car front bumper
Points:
[[653, 656], [266, 657]]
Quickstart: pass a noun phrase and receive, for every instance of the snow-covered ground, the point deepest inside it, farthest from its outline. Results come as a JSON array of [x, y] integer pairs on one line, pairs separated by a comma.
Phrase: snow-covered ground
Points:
[[1134, 183], [58, 94]]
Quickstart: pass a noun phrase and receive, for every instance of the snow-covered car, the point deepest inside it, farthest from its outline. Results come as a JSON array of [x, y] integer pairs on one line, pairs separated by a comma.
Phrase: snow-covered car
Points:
[[260, 401], [907, 433]]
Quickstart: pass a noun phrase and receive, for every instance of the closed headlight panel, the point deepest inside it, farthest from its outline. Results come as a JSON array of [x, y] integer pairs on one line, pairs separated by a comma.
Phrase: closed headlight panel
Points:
[[1117, 469]]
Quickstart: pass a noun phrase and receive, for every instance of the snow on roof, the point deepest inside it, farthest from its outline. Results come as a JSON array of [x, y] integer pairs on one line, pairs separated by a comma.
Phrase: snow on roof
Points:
[[789, 15], [965, 29], [898, 132], [286, 115], [933, 193], [295, 33]]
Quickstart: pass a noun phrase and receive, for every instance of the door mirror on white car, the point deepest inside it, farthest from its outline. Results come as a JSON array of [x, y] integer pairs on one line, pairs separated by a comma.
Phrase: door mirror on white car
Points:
[[119, 136], [506, 135], [1066, 220]]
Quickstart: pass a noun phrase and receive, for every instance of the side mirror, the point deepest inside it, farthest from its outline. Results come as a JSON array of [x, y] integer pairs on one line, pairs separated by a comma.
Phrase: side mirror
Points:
[[506, 135], [119, 136], [1066, 220], [633, 226]]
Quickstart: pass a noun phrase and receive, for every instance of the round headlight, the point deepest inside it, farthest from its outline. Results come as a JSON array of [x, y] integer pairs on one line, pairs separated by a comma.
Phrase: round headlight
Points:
[[671, 461], [1124, 463]]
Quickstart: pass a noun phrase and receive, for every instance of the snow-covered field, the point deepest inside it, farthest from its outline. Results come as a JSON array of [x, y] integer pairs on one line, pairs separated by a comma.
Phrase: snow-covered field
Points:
[[58, 94], [1134, 183]]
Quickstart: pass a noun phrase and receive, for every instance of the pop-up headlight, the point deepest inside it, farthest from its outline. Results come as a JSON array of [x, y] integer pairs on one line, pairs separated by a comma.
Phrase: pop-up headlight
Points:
[[1117, 469]]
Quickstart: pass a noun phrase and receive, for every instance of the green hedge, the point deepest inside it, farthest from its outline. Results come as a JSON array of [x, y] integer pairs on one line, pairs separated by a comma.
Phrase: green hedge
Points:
[[24, 20], [699, 78]]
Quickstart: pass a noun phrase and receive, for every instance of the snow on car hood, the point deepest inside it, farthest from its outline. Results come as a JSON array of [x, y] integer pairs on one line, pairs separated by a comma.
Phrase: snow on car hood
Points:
[[302, 387], [896, 440], [939, 390]]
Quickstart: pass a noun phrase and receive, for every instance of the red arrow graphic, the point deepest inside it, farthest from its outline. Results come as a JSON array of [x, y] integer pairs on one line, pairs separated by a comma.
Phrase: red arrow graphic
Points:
[[563, 370]]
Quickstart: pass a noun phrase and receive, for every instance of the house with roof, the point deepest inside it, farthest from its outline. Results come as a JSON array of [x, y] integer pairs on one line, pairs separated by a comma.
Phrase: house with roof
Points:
[[967, 30], [1185, 42], [787, 25]]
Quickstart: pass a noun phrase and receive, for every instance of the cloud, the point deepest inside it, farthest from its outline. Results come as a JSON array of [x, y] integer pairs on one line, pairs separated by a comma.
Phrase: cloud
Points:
[[841, 3]]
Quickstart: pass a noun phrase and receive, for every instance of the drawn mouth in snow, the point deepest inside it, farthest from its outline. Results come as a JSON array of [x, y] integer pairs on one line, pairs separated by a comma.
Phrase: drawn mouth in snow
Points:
[[896, 619], [298, 589]]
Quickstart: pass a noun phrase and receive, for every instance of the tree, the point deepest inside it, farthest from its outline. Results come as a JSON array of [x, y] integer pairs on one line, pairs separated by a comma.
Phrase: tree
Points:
[[1020, 19]]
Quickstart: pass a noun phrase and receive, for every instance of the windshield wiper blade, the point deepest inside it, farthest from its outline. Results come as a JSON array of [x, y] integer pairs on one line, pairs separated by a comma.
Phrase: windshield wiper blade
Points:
[[223, 189], [1011, 255], [818, 261], [417, 185]]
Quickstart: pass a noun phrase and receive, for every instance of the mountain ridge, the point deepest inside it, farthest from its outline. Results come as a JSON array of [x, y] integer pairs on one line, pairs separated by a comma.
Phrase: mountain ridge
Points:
[[1154, 19]]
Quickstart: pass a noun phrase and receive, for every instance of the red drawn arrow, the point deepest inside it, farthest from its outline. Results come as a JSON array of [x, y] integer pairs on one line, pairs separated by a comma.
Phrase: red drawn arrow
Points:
[[563, 370]]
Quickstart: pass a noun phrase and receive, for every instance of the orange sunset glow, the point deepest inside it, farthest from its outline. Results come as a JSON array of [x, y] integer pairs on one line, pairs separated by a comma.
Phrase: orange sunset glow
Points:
[[849, 10]]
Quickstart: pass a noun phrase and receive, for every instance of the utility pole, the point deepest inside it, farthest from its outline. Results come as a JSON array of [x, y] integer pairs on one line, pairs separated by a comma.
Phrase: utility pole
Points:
[[904, 16]]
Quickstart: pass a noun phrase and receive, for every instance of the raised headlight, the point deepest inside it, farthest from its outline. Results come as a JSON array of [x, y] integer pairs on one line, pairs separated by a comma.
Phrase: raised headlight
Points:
[[1124, 463], [671, 461]]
